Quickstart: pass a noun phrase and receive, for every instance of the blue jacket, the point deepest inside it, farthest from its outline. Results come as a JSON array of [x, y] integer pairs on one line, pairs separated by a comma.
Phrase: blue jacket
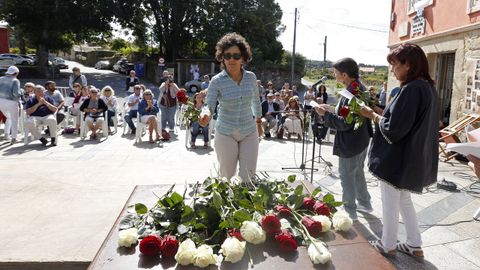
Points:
[[142, 108]]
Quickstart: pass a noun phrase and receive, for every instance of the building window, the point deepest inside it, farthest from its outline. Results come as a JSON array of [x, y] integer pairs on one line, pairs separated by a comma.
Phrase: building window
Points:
[[411, 4], [473, 6]]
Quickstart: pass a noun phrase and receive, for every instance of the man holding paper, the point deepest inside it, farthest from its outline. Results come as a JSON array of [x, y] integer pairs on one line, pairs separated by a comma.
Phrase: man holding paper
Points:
[[350, 144]]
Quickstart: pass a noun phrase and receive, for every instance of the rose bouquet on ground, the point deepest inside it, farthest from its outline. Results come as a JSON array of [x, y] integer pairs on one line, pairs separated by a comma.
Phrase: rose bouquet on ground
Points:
[[357, 99], [217, 220]]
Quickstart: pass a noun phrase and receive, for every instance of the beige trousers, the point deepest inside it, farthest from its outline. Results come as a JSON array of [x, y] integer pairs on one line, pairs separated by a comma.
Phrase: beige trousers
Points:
[[232, 150]]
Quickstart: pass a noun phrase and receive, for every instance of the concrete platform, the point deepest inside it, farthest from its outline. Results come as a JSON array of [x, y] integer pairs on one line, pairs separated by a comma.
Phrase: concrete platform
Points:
[[59, 203]]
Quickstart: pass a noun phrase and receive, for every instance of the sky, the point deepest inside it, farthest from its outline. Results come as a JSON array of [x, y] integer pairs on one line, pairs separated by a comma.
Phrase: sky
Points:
[[344, 22]]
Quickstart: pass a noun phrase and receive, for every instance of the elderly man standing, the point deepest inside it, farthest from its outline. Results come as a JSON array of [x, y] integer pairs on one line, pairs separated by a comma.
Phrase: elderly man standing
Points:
[[9, 97], [40, 110], [77, 77]]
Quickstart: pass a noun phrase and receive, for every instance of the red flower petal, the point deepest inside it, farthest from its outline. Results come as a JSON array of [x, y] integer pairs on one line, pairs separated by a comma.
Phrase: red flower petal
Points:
[[169, 246], [322, 209], [314, 227], [150, 245], [286, 241], [271, 224]]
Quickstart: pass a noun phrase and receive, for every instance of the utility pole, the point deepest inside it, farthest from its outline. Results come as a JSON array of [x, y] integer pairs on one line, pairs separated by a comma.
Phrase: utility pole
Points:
[[293, 51], [324, 55]]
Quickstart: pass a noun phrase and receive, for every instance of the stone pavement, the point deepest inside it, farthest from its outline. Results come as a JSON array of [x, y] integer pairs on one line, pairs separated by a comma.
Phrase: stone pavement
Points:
[[59, 203]]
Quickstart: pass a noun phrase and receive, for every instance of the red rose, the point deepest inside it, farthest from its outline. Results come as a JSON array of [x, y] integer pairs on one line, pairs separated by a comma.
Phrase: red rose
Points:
[[344, 111], [286, 241], [169, 246], [150, 245], [321, 209], [283, 210], [355, 85], [271, 224], [235, 233], [308, 203], [314, 228]]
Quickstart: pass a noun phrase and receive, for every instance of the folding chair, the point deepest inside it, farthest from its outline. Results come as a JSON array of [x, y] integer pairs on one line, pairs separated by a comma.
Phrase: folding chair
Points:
[[450, 134]]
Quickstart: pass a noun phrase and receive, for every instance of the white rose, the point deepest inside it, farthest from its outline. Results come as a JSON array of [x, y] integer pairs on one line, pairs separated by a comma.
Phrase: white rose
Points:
[[128, 237], [252, 232], [204, 256], [233, 249], [318, 252], [186, 252], [342, 221], [326, 223]]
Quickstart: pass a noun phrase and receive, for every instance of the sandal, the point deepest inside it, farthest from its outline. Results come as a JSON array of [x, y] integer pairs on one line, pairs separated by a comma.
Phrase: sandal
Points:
[[415, 252], [150, 139], [193, 146], [158, 138], [205, 146], [377, 244]]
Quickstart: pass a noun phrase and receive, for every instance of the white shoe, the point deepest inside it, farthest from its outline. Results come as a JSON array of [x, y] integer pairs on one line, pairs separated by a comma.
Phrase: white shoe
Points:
[[364, 209]]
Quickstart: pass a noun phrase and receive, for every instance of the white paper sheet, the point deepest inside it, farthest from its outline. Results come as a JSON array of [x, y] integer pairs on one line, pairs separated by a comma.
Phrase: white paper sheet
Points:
[[346, 94], [470, 148], [313, 104], [474, 135]]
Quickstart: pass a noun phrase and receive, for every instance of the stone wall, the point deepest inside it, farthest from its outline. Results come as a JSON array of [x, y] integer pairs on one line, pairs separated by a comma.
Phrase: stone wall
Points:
[[464, 45]]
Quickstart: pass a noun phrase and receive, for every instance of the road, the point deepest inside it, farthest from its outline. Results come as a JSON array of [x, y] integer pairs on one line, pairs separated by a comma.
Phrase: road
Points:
[[96, 77]]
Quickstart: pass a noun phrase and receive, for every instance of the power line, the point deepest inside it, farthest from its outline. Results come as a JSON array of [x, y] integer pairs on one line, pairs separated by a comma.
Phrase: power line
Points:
[[355, 27]]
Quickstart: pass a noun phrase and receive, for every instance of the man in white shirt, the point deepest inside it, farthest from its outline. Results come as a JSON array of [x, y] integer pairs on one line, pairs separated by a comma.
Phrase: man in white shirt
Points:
[[132, 102]]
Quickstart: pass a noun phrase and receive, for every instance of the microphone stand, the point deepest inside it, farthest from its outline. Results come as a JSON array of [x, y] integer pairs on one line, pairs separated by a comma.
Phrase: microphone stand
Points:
[[302, 167]]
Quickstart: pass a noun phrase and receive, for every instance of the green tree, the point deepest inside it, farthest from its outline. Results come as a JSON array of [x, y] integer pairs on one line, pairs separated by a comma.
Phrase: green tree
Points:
[[57, 24]]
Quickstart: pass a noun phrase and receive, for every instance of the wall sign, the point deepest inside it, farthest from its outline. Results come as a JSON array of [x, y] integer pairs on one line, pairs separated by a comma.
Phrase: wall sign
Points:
[[418, 25]]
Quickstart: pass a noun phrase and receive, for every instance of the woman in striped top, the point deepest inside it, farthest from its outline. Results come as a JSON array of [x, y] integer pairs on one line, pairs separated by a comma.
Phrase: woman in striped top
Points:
[[238, 124]]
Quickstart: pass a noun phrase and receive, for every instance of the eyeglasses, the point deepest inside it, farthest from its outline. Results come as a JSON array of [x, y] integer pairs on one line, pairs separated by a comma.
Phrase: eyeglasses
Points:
[[229, 56], [147, 94], [94, 92], [108, 90]]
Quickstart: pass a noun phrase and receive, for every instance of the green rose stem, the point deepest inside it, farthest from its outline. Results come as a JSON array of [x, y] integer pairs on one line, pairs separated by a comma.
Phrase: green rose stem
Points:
[[309, 238]]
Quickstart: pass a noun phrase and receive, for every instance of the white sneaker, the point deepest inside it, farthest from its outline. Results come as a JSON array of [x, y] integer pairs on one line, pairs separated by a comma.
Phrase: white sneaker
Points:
[[364, 209]]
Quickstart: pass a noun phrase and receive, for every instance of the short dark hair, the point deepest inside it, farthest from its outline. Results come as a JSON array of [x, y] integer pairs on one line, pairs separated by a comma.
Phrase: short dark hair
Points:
[[230, 40], [415, 57], [48, 83], [347, 65]]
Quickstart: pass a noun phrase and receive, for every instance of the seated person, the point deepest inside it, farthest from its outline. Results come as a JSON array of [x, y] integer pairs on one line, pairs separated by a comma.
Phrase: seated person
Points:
[[27, 93], [148, 109], [57, 97], [132, 101], [94, 108], [108, 96], [269, 114], [40, 111], [193, 115], [318, 127], [77, 102], [77, 90], [293, 118]]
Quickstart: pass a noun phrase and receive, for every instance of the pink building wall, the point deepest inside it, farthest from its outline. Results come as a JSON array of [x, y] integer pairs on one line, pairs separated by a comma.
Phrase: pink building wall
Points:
[[440, 16], [4, 40]]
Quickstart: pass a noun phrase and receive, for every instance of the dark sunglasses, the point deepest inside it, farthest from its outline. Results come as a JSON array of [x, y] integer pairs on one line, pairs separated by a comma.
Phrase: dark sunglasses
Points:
[[147, 94], [229, 56]]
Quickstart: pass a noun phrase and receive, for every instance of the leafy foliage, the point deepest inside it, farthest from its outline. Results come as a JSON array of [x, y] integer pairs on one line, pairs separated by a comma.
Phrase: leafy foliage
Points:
[[216, 205]]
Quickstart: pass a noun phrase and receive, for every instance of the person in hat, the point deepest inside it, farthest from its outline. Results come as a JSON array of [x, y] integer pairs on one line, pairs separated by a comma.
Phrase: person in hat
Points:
[[9, 97]]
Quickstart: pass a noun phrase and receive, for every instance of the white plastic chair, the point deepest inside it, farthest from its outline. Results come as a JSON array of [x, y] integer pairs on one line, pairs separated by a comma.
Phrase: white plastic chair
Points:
[[68, 104], [84, 127], [142, 127], [188, 134], [26, 131]]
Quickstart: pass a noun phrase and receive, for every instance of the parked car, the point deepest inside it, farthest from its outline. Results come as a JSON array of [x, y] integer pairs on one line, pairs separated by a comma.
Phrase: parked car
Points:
[[196, 85], [34, 59], [123, 66], [60, 63], [4, 64], [103, 64], [19, 60]]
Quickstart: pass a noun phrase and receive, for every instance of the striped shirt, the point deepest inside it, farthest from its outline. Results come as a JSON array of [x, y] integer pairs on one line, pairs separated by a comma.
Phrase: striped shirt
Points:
[[237, 103]]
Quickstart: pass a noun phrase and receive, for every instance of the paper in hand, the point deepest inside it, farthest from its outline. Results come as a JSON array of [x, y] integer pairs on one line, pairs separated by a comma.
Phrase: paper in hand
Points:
[[470, 148], [313, 104], [346, 94]]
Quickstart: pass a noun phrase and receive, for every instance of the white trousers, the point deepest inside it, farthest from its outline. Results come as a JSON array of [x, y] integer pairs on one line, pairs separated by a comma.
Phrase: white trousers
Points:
[[394, 202], [10, 109], [33, 122], [232, 150]]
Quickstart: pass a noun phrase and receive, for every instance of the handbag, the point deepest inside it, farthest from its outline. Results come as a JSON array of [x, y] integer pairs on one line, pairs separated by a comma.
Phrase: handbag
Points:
[[165, 135]]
